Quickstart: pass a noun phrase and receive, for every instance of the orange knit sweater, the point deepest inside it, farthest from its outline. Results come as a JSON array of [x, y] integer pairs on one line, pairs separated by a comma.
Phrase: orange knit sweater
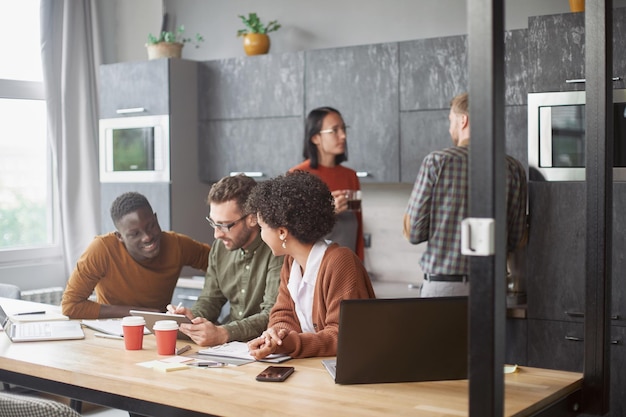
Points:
[[341, 276]]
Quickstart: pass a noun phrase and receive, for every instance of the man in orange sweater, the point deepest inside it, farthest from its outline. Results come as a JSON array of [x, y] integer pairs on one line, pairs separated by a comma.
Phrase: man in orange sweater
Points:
[[135, 267]]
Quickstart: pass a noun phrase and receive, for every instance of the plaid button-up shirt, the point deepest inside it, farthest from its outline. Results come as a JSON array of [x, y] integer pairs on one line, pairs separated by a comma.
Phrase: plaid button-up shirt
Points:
[[439, 201]]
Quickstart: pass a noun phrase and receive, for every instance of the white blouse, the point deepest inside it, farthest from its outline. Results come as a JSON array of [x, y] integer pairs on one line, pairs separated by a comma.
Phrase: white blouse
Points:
[[302, 288]]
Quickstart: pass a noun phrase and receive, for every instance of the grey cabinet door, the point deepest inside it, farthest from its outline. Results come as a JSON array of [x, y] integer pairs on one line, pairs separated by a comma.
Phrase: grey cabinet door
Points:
[[556, 250], [262, 148], [556, 45], [556, 345], [128, 86]]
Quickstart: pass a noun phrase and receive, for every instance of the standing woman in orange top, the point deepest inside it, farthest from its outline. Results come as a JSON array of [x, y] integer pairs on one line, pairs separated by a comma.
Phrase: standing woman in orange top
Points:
[[325, 148]]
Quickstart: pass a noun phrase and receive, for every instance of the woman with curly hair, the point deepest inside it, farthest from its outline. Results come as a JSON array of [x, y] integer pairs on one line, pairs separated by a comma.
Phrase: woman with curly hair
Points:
[[295, 212], [325, 149]]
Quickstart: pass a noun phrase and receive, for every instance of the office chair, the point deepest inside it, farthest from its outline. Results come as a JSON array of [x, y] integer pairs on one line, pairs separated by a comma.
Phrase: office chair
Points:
[[10, 291], [12, 405]]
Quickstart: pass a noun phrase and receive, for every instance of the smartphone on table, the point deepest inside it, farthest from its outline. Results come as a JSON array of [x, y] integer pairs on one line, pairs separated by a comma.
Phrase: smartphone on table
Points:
[[275, 373]]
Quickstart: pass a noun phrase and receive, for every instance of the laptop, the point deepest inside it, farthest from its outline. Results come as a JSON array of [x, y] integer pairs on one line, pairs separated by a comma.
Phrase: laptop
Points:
[[401, 340], [33, 331]]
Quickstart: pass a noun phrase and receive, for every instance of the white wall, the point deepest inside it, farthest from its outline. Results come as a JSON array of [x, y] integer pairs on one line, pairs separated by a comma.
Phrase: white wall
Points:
[[305, 24]]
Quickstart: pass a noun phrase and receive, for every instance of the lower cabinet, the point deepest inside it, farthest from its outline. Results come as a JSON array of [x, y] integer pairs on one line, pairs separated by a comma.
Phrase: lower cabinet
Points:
[[560, 345], [186, 296], [187, 291], [516, 341]]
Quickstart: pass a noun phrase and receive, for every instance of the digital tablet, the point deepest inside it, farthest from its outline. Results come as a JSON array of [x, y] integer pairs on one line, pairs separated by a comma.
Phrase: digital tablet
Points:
[[152, 317]]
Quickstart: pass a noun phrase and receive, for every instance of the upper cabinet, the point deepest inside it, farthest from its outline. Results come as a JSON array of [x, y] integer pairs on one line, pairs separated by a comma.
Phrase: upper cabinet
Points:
[[557, 51], [140, 89], [251, 115]]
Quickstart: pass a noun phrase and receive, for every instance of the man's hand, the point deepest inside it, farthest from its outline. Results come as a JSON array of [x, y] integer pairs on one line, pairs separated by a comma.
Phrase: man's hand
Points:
[[205, 333]]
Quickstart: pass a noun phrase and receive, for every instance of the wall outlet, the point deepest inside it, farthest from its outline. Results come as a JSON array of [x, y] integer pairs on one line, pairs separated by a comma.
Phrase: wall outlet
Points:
[[367, 237]]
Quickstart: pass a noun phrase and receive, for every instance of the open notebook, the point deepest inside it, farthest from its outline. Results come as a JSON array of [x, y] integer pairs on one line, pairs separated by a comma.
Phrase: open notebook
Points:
[[401, 340], [34, 331]]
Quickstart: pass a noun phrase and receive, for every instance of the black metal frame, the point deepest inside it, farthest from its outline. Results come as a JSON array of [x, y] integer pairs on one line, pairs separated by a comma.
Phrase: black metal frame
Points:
[[487, 200], [599, 188]]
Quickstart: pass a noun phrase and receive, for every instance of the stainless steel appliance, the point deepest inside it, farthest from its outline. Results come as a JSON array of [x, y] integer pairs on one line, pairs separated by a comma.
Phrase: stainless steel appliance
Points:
[[556, 136]]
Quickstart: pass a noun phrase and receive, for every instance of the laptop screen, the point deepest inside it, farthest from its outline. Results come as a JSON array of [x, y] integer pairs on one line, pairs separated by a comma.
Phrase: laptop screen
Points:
[[402, 340]]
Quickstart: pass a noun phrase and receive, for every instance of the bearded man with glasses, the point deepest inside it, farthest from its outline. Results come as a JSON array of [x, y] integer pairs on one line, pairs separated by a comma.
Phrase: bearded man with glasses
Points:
[[242, 271]]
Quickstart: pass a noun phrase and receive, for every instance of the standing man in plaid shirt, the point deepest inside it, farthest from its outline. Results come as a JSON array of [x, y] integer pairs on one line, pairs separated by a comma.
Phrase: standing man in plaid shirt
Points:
[[438, 204]]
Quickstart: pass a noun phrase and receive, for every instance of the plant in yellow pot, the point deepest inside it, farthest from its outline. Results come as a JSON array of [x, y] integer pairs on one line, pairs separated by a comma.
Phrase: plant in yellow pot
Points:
[[255, 38], [170, 44]]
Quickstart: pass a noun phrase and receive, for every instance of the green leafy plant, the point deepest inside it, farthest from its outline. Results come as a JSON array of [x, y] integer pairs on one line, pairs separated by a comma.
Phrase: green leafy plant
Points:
[[253, 25], [175, 37]]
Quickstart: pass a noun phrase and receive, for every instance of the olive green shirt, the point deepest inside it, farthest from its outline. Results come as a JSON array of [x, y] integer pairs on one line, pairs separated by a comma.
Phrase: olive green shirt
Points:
[[248, 279]]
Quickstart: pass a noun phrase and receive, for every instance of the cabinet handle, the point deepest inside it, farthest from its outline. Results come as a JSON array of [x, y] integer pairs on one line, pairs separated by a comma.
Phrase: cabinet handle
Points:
[[362, 174], [252, 174], [188, 297], [574, 339], [580, 339], [580, 314], [582, 80], [131, 110]]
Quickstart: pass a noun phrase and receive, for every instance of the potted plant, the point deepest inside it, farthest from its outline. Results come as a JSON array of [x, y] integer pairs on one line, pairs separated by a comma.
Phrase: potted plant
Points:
[[170, 44], [255, 38]]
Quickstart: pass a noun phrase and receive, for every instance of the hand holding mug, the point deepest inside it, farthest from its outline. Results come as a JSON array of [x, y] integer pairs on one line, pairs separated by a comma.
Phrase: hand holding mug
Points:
[[341, 200]]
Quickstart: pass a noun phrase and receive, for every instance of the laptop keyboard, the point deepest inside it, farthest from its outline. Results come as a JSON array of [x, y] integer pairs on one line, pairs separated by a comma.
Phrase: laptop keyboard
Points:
[[31, 330]]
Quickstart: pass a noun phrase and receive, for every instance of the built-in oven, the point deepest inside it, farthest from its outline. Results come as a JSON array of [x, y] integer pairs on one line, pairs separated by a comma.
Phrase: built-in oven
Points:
[[556, 136], [135, 149]]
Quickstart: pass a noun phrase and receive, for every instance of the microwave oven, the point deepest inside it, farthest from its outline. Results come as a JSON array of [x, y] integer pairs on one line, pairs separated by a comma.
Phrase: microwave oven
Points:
[[135, 149], [556, 136]]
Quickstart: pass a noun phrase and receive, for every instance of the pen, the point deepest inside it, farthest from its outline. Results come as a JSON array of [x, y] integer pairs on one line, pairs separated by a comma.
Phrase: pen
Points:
[[30, 312], [183, 349], [108, 336], [179, 305]]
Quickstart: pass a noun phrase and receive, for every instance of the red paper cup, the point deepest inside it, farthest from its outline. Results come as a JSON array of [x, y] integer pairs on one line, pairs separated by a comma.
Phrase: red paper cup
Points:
[[133, 332], [166, 332]]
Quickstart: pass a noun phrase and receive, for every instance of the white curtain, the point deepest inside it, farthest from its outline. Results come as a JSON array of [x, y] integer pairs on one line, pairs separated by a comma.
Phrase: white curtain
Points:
[[71, 56]]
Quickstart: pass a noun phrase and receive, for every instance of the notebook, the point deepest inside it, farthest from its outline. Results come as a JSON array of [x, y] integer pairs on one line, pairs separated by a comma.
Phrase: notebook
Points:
[[401, 340], [39, 331]]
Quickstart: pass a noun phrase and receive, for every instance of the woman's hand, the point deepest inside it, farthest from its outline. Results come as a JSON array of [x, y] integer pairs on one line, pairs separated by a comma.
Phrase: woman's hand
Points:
[[267, 343], [341, 200]]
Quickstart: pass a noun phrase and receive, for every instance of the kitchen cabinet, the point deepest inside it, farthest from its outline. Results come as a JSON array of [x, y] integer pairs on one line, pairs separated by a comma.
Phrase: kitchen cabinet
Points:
[[187, 291], [557, 51], [261, 148], [560, 345], [134, 89], [556, 250], [250, 112]]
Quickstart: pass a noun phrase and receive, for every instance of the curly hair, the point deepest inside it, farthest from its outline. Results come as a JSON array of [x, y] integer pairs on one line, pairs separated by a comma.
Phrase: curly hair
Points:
[[127, 203], [298, 201], [236, 187]]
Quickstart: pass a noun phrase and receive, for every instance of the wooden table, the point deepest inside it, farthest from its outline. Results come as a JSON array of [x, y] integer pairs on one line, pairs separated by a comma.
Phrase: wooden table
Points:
[[100, 371]]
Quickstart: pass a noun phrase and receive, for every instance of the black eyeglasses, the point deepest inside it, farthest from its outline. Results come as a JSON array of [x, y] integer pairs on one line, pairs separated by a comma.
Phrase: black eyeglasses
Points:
[[224, 228]]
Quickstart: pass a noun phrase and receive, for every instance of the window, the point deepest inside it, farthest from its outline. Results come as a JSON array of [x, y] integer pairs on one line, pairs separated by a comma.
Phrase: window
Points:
[[28, 214]]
